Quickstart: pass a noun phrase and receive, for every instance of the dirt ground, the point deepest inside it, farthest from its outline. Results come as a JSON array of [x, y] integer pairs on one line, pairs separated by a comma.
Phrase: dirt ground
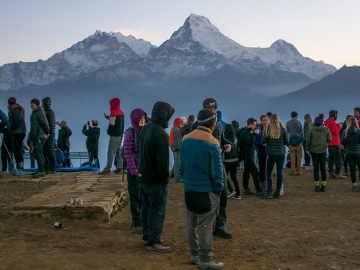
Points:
[[302, 230]]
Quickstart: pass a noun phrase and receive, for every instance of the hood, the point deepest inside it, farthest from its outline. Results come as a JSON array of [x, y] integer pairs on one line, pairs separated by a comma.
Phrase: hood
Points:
[[135, 117], [115, 107], [46, 102], [162, 113], [330, 119], [178, 122]]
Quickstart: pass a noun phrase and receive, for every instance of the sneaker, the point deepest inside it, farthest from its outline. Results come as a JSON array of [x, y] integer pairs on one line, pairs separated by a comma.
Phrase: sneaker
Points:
[[194, 260], [248, 192], [260, 194], [210, 265], [317, 189], [38, 175], [162, 242], [159, 248], [231, 194], [236, 197], [118, 171], [268, 195], [223, 233], [105, 172], [136, 229]]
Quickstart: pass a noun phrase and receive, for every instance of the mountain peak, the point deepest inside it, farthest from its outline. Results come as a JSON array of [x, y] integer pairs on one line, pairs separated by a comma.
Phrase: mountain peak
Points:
[[283, 46]]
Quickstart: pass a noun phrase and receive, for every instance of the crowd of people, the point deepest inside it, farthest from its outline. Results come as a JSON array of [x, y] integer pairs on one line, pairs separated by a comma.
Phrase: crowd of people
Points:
[[207, 154]]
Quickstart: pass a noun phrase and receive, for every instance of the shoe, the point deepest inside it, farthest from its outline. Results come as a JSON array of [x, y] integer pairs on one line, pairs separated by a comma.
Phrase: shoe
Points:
[[105, 172], [136, 229], [236, 197], [210, 265], [38, 175], [317, 189], [118, 171], [194, 260], [276, 195], [248, 192], [223, 233], [268, 195], [354, 188], [340, 176], [260, 193], [231, 194], [323, 189], [159, 248], [162, 242]]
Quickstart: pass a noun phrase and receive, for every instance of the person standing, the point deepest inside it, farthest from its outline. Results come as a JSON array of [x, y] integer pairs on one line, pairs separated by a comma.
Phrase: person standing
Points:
[[4, 121], [201, 169], [115, 131], [308, 123], [49, 153], [175, 141], [261, 153], [231, 161], [189, 125], [317, 139], [334, 145], [131, 155], [92, 133], [17, 131], [154, 175], [295, 131], [39, 133], [275, 139], [63, 142], [351, 140], [357, 114], [246, 144]]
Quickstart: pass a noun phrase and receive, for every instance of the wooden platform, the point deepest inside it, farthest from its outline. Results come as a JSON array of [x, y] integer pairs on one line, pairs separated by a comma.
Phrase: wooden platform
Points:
[[101, 196]]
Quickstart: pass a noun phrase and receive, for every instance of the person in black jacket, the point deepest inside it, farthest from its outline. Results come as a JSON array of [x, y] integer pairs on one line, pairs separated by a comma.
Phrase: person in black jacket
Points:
[[63, 142], [49, 153], [17, 131], [4, 121], [153, 170], [115, 131], [92, 133], [351, 140], [39, 132], [246, 144]]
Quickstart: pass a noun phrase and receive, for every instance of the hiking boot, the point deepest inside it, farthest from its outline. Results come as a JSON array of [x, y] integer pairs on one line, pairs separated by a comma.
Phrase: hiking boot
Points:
[[223, 233], [38, 175], [231, 194], [159, 248], [317, 189], [210, 265], [194, 260], [118, 171], [248, 192], [340, 176]]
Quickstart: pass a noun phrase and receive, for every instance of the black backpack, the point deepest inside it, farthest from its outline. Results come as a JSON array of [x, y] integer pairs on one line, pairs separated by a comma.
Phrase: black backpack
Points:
[[134, 141]]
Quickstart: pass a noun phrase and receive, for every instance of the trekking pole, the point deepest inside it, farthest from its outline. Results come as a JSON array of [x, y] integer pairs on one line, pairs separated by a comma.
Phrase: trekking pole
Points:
[[13, 162]]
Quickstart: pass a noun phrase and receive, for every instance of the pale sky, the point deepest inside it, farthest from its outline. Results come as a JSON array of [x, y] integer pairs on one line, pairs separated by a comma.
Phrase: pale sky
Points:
[[325, 30]]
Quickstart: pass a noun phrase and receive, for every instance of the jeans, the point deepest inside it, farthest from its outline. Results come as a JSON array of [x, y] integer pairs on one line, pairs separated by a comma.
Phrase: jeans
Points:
[[354, 160], [319, 162], [17, 143], [334, 159], [114, 150], [250, 168], [49, 154], [153, 208], [222, 216], [262, 164], [201, 211], [295, 157], [135, 199], [231, 167], [176, 168], [271, 161], [39, 153]]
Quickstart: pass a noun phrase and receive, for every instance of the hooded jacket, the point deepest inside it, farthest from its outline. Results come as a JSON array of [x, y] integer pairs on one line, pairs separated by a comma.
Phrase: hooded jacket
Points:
[[50, 116], [39, 126], [154, 147], [317, 139], [92, 137], [16, 119], [246, 142], [131, 143], [63, 138], [352, 141], [116, 120], [175, 135], [334, 130]]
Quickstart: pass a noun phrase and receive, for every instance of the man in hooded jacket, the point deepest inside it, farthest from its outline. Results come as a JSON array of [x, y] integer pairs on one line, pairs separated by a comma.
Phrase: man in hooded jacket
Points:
[[49, 153], [153, 170]]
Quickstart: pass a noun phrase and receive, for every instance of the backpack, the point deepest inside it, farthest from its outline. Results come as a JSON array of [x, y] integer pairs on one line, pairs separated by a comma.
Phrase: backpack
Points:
[[134, 141], [295, 140]]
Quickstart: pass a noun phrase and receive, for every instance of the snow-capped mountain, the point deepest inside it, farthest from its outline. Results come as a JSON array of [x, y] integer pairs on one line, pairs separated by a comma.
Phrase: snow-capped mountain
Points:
[[197, 48]]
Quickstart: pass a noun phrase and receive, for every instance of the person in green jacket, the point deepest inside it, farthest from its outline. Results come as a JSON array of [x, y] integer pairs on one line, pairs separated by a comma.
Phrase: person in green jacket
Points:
[[317, 141], [92, 133]]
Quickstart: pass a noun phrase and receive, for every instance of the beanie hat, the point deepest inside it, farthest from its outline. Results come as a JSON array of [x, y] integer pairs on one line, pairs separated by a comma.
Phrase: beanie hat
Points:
[[318, 122], [294, 114], [210, 103], [46, 101], [35, 101], [206, 117], [11, 100]]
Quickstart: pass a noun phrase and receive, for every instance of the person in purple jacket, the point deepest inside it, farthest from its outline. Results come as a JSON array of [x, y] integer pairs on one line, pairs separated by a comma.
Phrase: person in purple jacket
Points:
[[131, 149]]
